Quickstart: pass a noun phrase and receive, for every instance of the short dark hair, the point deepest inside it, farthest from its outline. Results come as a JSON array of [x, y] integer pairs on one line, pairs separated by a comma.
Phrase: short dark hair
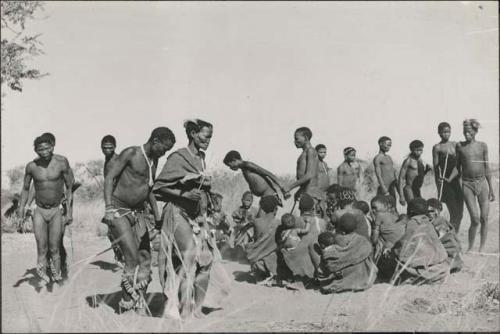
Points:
[[383, 139], [306, 203], [288, 220], [435, 203], [231, 156], [416, 144], [247, 193], [380, 199], [163, 134], [319, 147], [334, 188], [195, 125], [108, 139], [443, 125], [50, 136], [362, 205], [268, 203], [305, 131], [42, 140], [346, 196], [326, 238]]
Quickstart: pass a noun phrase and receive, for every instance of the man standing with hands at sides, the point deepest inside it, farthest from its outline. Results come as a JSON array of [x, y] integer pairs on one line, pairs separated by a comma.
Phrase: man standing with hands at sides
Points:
[[323, 172], [473, 165], [444, 156], [50, 173], [127, 186], [384, 169], [307, 170], [108, 147]]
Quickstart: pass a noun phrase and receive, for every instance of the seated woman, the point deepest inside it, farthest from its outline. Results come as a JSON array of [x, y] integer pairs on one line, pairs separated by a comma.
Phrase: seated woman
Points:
[[346, 259], [420, 254]]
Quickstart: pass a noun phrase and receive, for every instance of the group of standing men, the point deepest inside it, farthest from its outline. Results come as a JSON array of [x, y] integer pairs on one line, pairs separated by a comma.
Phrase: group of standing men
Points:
[[185, 187]]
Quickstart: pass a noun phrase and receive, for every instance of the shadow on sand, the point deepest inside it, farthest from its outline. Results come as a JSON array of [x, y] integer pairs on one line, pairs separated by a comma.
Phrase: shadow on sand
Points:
[[106, 265]]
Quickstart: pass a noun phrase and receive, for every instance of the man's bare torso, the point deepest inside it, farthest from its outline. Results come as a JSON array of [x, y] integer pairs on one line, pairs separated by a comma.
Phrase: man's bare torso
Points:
[[443, 149], [386, 168], [48, 180], [259, 185], [349, 174], [471, 157], [415, 169], [132, 185], [108, 164], [323, 177], [263, 225]]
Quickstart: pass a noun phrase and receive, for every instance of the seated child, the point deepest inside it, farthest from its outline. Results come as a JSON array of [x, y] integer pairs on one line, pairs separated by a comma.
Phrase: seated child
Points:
[[243, 218], [217, 221], [290, 234], [446, 234], [346, 259], [386, 230]]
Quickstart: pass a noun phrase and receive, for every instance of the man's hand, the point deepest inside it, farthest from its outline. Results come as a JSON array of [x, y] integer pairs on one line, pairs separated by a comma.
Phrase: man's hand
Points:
[[386, 252], [108, 217], [158, 224], [286, 195], [444, 179], [384, 190], [428, 168], [193, 195], [402, 202], [296, 196], [491, 196]]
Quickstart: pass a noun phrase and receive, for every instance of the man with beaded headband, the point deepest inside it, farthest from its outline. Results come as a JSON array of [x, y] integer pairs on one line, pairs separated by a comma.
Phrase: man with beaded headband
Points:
[[127, 186]]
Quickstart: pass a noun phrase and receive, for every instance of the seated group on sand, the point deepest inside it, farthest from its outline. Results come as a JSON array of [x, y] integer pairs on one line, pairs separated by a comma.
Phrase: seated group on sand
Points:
[[351, 247]]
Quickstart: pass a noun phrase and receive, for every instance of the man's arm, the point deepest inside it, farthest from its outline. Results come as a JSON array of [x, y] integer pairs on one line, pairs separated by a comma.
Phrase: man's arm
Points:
[[487, 171], [458, 167], [340, 175], [378, 174], [401, 180], [68, 181], [435, 163], [262, 172], [24, 191], [311, 159], [154, 207], [376, 229]]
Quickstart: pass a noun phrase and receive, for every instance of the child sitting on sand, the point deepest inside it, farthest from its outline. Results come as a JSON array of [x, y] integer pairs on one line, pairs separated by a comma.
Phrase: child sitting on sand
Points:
[[290, 234], [217, 220]]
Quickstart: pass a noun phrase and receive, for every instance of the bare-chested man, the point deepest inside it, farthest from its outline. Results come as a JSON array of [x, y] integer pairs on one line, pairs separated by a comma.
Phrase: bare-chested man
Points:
[[412, 173], [108, 147], [262, 182], [307, 170], [451, 193], [127, 186], [50, 173], [384, 168], [473, 165], [349, 171], [324, 170]]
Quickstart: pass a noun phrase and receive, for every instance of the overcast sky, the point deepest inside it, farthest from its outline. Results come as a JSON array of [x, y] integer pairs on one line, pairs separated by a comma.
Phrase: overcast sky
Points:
[[352, 72]]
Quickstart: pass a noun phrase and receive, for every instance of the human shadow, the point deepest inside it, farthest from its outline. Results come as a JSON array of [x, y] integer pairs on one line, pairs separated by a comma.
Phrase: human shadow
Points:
[[106, 265], [244, 276], [155, 302], [31, 278], [235, 254]]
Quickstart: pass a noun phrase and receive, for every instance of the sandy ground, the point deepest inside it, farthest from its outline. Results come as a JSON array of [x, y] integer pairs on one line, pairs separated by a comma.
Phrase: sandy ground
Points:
[[89, 300]]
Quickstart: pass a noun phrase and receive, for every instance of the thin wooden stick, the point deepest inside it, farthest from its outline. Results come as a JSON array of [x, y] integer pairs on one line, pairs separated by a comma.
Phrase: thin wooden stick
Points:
[[442, 176]]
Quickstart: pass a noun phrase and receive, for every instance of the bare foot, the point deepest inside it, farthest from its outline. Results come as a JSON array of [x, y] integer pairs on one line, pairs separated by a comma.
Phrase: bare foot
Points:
[[198, 314]]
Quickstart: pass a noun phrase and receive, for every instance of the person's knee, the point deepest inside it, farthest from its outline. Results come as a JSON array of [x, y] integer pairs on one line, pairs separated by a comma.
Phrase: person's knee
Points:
[[54, 251], [474, 220]]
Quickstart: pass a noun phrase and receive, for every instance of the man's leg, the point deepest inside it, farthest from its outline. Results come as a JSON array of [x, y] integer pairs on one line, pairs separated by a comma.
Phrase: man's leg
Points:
[[470, 202], [122, 230], [55, 240], [484, 208], [408, 193], [200, 288], [40, 228], [454, 200]]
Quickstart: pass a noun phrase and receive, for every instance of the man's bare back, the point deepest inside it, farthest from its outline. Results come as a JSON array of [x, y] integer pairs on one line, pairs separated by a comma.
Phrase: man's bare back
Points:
[[259, 185]]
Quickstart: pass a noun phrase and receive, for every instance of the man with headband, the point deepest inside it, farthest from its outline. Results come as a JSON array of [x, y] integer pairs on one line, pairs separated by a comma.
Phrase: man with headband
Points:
[[349, 171], [473, 165]]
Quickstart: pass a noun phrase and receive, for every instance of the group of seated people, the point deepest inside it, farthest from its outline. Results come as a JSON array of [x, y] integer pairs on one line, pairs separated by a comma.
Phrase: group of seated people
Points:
[[353, 245]]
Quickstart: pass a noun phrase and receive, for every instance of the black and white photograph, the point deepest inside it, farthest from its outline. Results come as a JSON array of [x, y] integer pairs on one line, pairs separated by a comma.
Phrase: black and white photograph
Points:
[[249, 166]]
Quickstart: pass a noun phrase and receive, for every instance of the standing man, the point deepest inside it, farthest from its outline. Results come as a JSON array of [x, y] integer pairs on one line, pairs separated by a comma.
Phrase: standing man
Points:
[[451, 194], [412, 173], [384, 168], [349, 172], [108, 147], [307, 170], [127, 186], [50, 173], [323, 173], [473, 165]]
